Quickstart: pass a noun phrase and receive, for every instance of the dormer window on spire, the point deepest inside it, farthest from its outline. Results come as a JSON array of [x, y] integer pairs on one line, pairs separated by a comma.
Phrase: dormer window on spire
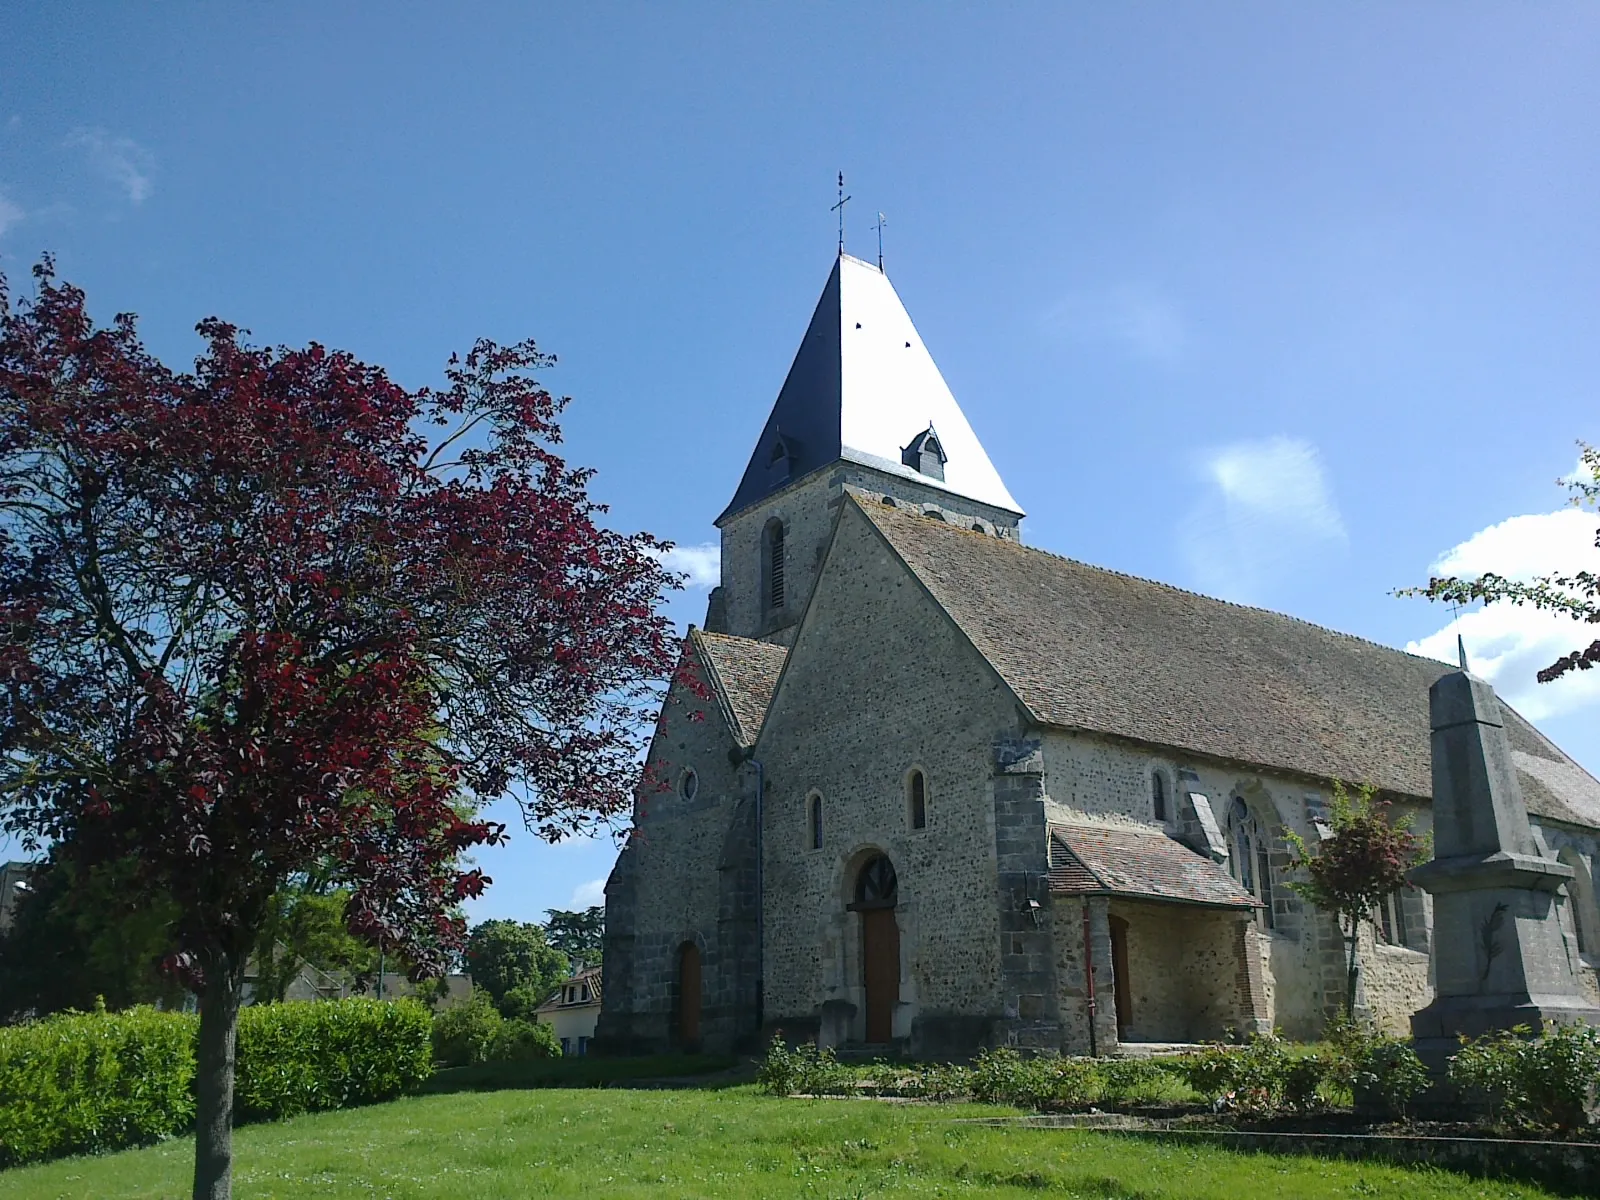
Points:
[[925, 455], [779, 459]]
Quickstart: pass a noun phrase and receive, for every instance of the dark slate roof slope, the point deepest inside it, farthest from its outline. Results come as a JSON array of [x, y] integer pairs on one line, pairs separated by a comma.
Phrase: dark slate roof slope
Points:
[[1091, 649], [744, 673], [1140, 864]]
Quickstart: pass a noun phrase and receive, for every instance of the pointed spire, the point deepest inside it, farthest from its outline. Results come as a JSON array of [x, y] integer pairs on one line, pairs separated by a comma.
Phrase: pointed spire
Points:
[[1461, 652], [862, 388]]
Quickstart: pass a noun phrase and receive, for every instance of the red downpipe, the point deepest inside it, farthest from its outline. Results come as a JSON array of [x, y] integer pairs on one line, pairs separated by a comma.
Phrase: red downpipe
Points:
[[1088, 977]]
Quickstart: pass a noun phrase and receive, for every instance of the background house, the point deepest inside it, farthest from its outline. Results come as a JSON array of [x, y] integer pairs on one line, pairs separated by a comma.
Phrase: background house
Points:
[[573, 1009]]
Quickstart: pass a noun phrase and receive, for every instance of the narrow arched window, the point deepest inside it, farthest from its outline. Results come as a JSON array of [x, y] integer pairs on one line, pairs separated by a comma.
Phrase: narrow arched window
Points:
[[774, 566], [1249, 860], [814, 822], [1158, 794], [917, 799]]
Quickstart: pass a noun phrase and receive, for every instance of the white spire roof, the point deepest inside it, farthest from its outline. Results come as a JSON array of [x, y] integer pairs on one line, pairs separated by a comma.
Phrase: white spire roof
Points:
[[861, 387]]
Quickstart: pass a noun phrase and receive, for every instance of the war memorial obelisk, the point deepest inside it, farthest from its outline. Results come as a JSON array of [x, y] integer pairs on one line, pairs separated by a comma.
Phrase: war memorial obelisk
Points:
[[1500, 957]]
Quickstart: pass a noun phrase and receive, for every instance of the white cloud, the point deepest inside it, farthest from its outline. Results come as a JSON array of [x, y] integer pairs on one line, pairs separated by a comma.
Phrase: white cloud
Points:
[[10, 213], [587, 895], [1508, 645], [1136, 317], [120, 159], [702, 564], [1265, 509]]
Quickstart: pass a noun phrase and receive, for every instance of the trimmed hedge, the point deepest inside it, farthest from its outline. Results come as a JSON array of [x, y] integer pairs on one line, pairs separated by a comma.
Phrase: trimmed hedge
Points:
[[84, 1083], [297, 1058], [81, 1083]]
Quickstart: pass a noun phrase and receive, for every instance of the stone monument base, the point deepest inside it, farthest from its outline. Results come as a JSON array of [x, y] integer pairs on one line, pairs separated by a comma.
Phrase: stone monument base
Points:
[[1437, 1030]]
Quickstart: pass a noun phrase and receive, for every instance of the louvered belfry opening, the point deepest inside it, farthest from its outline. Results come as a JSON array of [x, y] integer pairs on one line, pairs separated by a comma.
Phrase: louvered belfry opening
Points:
[[775, 565]]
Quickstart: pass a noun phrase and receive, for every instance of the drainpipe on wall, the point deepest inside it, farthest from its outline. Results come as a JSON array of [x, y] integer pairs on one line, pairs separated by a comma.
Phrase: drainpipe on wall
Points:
[[747, 755], [761, 896], [1088, 978]]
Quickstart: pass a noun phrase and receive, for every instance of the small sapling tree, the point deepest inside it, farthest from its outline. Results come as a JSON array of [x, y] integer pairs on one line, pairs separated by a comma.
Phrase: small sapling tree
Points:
[[1353, 872], [279, 615]]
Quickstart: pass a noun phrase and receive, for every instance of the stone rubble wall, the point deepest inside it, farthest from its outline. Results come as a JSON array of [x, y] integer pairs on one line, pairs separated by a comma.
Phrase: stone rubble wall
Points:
[[807, 509], [1302, 975], [880, 682], [686, 876]]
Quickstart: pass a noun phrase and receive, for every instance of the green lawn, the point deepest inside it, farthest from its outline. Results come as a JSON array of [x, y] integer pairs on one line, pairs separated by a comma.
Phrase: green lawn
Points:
[[733, 1142]]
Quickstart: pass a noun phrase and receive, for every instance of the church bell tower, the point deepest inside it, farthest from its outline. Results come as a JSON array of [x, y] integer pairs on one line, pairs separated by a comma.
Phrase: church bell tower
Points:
[[864, 410]]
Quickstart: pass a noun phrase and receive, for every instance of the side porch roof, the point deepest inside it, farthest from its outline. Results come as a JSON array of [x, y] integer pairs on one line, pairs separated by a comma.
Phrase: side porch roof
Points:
[[1100, 860]]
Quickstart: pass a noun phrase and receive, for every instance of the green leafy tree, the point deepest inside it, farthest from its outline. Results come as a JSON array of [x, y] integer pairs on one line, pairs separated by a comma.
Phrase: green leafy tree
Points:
[[81, 937], [304, 926], [577, 934], [506, 955], [1577, 595], [1353, 872]]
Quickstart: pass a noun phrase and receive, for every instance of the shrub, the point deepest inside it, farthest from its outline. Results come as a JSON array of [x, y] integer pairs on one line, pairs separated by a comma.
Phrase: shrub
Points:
[[802, 1069], [938, 1081], [1548, 1082], [1261, 1076], [1004, 1077], [520, 1003], [468, 1034], [1137, 1080], [81, 1083], [518, 1041], [1384, 1075], [296, 1058]]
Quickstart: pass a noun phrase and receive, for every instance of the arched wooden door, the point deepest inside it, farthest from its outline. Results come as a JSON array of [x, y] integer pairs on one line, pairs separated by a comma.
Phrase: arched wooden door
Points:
[[689, 995], [876, 894]]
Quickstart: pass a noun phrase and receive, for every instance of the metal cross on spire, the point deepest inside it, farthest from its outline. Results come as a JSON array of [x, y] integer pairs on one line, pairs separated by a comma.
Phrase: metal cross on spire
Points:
[[839, 208], [882, 221]]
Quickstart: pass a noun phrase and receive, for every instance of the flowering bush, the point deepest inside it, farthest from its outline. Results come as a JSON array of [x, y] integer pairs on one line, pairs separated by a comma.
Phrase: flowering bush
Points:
[[802, 1070], [1546, 1082], [1383, 1073]]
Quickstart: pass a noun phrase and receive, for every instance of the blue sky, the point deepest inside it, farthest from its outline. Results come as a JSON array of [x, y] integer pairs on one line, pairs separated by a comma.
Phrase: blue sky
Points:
[[1284, 303]]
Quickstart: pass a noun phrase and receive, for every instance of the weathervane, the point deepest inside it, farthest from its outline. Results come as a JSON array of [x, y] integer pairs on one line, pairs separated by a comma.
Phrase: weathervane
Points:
[[839, 208], [882, 221]]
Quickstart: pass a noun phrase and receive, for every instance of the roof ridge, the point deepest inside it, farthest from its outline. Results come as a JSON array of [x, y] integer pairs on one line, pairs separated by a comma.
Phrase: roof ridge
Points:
[[1017, 546]]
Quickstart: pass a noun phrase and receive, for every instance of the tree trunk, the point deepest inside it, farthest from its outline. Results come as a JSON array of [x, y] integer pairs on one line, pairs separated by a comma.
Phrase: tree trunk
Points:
[[213, 1119], [1354, 971]]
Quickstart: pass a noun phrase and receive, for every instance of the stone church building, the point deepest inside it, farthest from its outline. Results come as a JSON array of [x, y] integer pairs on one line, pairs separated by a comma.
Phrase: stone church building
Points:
[[925, 789]]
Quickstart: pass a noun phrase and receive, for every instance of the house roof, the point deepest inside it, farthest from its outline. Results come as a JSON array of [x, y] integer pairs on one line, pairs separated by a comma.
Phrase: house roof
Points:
[[861, 387], [743, 672], [1089, 649], [590, 975], [1139, 864]]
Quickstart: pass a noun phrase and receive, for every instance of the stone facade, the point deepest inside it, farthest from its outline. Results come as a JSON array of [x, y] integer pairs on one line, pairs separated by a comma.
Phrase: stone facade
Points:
[[806, 509], [686, 877], [871, 635], [1028, 694]]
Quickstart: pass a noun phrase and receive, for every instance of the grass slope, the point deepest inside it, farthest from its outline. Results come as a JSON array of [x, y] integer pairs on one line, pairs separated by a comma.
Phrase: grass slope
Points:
[[486, 1145]]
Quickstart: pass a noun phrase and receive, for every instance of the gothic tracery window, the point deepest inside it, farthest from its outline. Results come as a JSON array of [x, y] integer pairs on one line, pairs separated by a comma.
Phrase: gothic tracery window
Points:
[[1248, 856]]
